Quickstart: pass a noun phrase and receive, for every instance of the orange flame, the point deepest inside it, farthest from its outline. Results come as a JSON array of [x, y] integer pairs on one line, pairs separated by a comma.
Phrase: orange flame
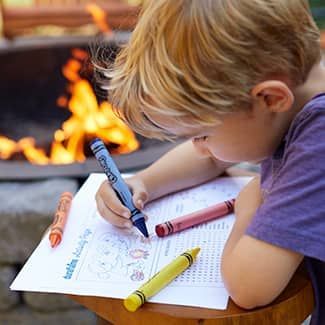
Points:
[[89, 119], [7, 147], [100, 18], [34, 155]]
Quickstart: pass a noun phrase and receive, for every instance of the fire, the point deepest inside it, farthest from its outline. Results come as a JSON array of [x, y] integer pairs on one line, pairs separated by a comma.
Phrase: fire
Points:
[[99, 17], [89, 119], [7, 147]]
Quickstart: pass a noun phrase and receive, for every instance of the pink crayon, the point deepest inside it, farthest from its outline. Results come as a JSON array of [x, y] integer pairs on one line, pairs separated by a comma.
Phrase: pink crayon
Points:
[[195, 218]]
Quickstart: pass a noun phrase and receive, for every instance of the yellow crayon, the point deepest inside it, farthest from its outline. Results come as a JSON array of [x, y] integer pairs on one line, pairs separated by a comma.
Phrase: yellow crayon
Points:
[[160, 279]]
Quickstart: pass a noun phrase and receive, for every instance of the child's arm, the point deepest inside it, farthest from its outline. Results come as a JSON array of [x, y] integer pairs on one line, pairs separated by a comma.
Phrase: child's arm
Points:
[[254, 272], [180, 168]]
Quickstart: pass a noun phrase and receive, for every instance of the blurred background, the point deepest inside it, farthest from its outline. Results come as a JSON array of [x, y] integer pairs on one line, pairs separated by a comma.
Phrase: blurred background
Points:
[[58, 17], [318, 8]]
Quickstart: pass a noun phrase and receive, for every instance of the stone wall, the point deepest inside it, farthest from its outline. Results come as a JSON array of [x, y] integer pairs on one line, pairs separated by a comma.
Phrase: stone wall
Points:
[[26, 211]]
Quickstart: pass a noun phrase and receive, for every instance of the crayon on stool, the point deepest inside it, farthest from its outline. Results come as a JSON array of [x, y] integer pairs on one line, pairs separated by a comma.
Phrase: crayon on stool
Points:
[[160, 279], [60, 219], [120, 187], [195, 218]]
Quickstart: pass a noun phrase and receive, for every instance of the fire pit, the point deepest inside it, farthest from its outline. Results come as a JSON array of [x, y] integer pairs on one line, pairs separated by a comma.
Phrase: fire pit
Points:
[[41, 106]]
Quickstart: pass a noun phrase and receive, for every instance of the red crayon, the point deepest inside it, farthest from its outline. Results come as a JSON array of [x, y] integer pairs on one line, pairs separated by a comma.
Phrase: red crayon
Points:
[[195, 218]]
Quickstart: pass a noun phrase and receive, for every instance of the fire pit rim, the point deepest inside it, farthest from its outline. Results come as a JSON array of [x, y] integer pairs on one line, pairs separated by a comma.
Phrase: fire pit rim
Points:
[[32, 43]]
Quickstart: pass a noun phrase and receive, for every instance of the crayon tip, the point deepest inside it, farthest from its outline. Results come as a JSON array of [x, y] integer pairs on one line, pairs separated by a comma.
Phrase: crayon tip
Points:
[[195, 251], [55, 240], [140, 224], [147, 240], [160, 230]]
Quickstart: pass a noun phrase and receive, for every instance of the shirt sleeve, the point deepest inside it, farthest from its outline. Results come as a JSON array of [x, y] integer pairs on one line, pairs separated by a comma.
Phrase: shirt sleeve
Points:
[[292, 215]]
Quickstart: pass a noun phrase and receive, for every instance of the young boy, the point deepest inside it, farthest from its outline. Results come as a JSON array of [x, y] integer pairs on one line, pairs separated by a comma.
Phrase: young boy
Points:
[[243, 80]]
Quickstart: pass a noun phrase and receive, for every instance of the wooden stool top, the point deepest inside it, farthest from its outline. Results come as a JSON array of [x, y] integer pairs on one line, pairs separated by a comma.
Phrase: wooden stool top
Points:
[[292, 307]]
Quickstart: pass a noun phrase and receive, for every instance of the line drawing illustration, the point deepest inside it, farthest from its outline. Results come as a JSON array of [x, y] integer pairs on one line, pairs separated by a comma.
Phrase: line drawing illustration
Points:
[[116, 255]]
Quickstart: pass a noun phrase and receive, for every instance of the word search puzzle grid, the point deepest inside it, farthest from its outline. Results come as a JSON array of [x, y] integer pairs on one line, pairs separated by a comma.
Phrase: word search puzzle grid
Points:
[[207, 271], [210, 236]]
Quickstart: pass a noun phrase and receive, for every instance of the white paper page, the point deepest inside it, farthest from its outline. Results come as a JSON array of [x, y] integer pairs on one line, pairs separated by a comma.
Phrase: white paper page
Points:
[[98, 259]]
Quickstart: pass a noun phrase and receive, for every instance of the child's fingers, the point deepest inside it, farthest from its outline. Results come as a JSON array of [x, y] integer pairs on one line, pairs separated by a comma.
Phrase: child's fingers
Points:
[[110, 216], [110, 199], [140, 195]]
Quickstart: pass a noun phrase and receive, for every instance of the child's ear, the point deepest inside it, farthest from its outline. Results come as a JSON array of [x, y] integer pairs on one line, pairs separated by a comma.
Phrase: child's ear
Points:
[[274, 95]]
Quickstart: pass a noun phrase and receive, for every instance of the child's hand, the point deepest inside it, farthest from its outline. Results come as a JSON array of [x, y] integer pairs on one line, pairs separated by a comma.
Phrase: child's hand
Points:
[[111, 208]]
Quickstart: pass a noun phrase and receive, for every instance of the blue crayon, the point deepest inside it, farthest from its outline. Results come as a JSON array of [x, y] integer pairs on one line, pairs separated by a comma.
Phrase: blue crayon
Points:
[[120, 187]]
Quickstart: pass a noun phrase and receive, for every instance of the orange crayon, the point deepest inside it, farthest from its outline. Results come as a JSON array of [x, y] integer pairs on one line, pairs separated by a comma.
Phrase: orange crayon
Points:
[[60, 219]]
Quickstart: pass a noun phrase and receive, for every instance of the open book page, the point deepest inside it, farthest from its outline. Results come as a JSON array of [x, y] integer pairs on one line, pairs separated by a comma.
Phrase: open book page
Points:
[[98, 259]]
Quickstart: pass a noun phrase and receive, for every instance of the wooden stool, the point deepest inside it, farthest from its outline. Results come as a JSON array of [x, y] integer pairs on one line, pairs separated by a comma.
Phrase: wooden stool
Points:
[[292, 307]]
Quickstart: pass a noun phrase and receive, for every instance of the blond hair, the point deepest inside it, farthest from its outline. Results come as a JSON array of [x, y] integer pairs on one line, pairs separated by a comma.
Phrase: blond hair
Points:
[[192, 60]]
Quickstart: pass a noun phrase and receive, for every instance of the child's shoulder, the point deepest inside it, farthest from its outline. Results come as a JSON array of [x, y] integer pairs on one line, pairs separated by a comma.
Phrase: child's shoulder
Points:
[[309, 122], [316, 106], [293, 187], [317, 102]]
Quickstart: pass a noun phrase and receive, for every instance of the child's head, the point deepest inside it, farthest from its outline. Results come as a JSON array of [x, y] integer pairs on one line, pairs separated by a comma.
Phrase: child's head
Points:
[[192, 61]]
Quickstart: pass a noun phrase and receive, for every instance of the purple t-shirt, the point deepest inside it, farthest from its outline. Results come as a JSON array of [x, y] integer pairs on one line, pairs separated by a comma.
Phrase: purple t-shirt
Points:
[[292, 215]]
